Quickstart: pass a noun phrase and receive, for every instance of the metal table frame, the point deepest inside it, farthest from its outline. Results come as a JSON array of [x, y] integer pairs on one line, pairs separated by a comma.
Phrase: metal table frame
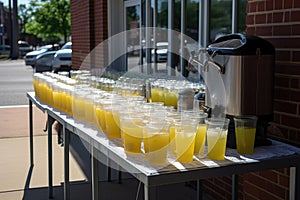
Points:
[[150, 181]]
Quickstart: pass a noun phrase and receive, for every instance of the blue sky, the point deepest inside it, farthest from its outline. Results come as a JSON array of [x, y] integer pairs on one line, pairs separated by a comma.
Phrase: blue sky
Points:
[[5, 2]]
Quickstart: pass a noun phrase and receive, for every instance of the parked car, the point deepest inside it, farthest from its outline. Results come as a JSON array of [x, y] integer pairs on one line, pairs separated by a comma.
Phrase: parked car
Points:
[[44, 61], [161, 52], [63, 58], [30, 57], [4, 50], [24, 47]]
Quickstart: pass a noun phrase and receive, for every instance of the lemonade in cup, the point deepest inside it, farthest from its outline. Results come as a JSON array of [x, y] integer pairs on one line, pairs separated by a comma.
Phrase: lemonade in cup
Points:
[[185, 133], [245, 129], [112, 123], [216, 134], [156, 142], [132, 132]]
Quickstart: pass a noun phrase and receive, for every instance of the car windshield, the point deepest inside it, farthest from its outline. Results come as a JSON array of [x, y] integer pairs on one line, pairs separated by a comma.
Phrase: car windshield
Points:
[[67, 46], [44, 47]]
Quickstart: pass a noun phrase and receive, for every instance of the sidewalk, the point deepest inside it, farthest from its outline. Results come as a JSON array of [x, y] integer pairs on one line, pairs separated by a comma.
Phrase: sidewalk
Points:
[[19, 181]]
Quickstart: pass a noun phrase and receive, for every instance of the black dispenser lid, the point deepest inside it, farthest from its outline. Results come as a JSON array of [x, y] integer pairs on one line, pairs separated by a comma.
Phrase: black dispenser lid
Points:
[[239, 44]]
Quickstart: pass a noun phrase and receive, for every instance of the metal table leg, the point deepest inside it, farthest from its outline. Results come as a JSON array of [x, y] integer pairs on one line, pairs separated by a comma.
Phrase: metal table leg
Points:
[[66, 136], [235, 186], [294, 182], [31, 133], [297, 182], [199, 190], [94, 164], [149, 192], [50, 177]]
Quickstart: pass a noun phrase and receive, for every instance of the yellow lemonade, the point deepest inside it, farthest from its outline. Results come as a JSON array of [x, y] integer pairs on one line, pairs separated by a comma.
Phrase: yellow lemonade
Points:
[[156, 147], [78, 108], [245, 138], [49, 95], [57, 99], [35, 86], [63, 101], [216, 143], [200, 139], [172, 138], [100, 115], [154, 95], [185, 143], [161, 95], [89, 112], [171, 98], [132, 138], [69, 102], [112, 127]]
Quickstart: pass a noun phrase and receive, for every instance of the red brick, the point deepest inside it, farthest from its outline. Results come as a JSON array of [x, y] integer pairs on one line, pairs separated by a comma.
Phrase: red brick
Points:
[[264, 31], [252, 6], [261, 6], [269, 175], [283, 30], [295, 96], [295, 29], [278, 5], [287, 69], [281, 94], [290, 121], [283, 55], [286, 107], [269, 5], [296, 56], [285, 42], [282, 81], [260, 19], [287, 17], [250, 30], [269, 18], [255, 190], [296, 4], [249, 197], [250, 19], [278, 17], [288, 4], [295, 16], [295, 83], [294, 136]]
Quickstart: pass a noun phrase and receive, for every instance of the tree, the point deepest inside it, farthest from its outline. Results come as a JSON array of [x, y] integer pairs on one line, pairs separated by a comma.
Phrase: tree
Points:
[[50, 19], [23, 13]]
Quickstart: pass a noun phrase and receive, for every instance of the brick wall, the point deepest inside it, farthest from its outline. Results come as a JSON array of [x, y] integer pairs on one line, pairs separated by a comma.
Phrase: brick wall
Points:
[[279, 23], [80, 26], [88, 27]]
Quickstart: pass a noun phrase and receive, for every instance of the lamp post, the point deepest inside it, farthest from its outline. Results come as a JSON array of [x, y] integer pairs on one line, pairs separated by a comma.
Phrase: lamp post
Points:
[[14, 54]]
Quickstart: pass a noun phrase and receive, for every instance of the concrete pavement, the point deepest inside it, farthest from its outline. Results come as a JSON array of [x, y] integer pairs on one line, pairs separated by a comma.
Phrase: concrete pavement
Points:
[[19, 181]]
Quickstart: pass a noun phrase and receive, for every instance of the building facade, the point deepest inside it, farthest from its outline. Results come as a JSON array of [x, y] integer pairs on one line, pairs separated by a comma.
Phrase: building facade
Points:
[[94, 21]]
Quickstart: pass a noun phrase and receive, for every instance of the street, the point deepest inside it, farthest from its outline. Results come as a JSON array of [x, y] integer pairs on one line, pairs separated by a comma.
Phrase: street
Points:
[[15, 81]]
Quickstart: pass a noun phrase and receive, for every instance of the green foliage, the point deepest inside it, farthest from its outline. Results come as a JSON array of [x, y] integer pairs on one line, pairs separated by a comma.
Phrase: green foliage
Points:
[[49, 19]]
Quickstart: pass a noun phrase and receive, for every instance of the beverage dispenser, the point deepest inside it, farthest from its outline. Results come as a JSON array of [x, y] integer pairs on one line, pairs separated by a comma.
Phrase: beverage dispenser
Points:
[[246, 64]]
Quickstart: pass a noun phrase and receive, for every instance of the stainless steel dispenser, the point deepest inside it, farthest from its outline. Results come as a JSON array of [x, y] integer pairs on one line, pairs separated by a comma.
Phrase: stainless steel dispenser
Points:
[[246, 64]]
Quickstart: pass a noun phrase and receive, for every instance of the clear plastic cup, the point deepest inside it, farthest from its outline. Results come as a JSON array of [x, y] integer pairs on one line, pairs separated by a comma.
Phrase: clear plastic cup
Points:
[[185, 134], [132, 126], [216, 134], [245, 130], [156, 143], [112, 123]]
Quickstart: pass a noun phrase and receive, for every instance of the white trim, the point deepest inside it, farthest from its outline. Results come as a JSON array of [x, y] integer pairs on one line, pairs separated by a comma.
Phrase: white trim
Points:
[[15, 106]]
